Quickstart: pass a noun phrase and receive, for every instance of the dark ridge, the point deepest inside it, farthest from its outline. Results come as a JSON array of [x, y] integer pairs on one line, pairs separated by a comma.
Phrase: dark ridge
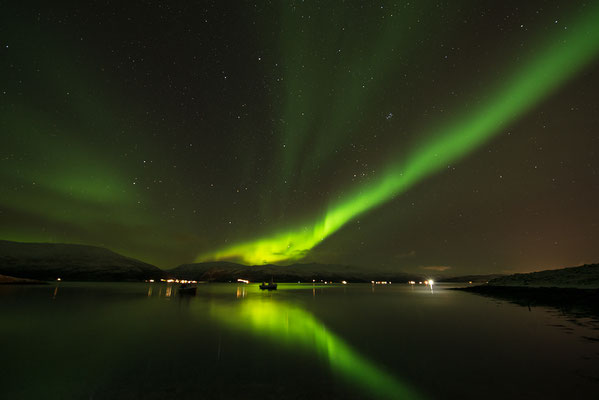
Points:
[[471, 278], [71, 262], [584, 276], [227, 271], [11, 280]]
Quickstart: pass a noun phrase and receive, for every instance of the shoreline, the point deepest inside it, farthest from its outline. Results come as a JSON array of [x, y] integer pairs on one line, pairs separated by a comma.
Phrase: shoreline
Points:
[[11, 280], [580, 301]]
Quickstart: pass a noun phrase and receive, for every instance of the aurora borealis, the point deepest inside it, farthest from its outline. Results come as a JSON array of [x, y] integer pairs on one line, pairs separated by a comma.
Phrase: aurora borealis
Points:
[[452, 136]]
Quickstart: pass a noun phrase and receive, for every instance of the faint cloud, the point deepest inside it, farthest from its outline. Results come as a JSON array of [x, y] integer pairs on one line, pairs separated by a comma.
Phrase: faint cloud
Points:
[[436, 267], [406, 255]]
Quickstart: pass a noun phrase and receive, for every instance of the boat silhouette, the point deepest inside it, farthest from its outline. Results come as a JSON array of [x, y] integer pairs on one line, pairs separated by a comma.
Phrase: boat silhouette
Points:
[[268, 286]]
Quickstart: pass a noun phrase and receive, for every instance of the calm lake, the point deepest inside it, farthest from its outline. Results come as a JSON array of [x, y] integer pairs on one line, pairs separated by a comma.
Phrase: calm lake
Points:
[[355, 341]]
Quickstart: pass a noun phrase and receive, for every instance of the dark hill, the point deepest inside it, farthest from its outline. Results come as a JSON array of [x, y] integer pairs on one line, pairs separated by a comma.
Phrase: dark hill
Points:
[[573, 290], [49, 261], [582, 277], [471, 278], [227, 271], [11, 280]]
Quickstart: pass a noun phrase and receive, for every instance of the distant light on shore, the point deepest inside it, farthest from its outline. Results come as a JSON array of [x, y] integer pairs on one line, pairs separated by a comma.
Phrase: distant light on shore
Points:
[[174, 281]]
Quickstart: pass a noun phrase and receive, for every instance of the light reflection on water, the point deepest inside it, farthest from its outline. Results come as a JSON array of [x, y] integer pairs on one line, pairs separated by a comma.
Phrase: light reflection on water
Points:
[[101, 341], [294, 327]]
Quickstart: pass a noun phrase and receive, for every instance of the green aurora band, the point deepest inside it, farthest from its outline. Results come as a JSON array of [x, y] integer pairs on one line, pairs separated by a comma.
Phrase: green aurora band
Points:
[[563, 56], [294, 327], [314, 134]]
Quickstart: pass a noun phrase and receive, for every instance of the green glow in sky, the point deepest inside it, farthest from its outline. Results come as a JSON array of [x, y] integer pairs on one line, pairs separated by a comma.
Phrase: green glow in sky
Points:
[[559, 60], [313, 122], [292, 326]]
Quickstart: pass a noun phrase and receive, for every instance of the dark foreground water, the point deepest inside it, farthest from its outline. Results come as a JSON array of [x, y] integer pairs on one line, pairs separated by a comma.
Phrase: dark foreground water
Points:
[[145, 341]]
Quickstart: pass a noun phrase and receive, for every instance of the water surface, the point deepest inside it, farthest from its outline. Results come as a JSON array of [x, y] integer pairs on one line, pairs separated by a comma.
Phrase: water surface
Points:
[[134, 340]]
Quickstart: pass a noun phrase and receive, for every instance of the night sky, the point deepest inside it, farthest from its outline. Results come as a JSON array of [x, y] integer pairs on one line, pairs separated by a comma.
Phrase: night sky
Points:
[[420, 136]]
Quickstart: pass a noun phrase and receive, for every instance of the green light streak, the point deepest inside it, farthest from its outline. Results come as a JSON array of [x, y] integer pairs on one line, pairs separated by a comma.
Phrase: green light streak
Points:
[[60, 188], [75, 184], [564, 55], [292, 326], [330, 76]]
